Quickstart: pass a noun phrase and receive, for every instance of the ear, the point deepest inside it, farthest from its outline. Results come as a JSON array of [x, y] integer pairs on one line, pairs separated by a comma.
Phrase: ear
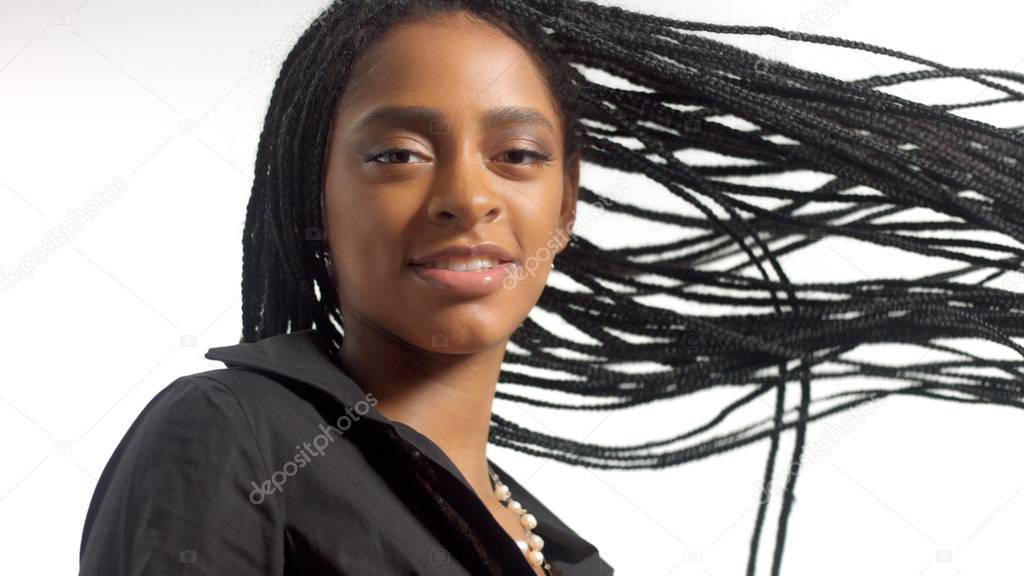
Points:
[[570, 194]]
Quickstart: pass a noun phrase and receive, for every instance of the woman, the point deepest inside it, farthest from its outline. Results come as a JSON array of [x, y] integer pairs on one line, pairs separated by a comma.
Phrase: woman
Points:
[[417, 174], [425, 339]]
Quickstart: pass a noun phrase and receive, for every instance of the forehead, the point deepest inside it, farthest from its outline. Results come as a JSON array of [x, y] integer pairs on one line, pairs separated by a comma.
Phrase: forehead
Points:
[[453, 63]]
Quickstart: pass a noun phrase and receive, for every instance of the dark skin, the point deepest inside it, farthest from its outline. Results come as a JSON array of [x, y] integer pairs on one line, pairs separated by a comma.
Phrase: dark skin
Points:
[[431, 358]]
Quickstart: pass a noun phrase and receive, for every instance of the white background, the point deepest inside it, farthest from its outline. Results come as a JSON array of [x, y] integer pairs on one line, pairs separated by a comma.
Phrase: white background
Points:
[[166, 100]]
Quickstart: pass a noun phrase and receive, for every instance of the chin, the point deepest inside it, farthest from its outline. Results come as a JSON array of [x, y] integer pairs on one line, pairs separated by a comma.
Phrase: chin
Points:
[[470, 336]]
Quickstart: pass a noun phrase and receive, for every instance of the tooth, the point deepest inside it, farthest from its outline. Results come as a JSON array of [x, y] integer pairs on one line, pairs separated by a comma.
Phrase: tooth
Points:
[[465, 265]]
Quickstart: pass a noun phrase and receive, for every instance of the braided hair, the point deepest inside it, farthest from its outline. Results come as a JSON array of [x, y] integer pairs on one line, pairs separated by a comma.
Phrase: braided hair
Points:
[[881, 161]]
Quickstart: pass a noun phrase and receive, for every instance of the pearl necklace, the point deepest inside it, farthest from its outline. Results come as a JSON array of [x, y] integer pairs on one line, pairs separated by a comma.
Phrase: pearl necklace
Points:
[[532, 545]]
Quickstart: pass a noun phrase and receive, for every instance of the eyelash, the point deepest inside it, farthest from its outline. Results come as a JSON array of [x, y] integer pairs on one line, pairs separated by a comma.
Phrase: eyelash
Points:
[[541, 158]]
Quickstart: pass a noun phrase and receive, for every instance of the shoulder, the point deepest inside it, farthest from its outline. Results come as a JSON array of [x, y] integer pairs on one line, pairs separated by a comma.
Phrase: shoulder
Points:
[[257, 414], [189, 406], [180, 474], [269, 407], [196, 420]]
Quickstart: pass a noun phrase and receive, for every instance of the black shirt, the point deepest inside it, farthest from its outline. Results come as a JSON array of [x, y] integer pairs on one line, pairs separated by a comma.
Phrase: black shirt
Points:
[[279, 464]]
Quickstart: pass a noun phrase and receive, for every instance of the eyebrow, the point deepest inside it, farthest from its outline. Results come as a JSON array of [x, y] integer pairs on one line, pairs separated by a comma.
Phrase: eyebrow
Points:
[[422, 116]]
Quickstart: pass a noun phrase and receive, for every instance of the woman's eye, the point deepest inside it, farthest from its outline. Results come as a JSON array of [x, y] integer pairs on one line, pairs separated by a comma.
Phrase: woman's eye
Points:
[[394, 155], [401, 156], [518, 153]]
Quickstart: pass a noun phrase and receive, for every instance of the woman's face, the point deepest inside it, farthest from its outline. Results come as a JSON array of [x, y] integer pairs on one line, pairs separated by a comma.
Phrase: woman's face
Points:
[[402, 185]]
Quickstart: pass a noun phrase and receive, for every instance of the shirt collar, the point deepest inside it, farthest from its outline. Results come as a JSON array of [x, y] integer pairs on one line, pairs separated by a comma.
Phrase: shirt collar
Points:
[[295, 355]]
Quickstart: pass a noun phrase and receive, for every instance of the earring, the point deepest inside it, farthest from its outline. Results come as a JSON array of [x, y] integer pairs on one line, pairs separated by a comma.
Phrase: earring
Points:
[[330, 263]]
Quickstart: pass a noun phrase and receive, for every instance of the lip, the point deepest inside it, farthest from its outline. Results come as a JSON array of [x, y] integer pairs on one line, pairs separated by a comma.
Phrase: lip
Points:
[[467, 284], [489, 249]]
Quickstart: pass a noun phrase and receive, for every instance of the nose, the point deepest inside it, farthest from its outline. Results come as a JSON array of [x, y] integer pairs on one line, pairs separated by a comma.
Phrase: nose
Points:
[[462, 194]]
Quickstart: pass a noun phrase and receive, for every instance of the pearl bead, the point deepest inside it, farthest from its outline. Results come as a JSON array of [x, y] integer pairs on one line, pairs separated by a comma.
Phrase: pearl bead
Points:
[[531, 547], [536, 557], [528, 521], [502, 492]]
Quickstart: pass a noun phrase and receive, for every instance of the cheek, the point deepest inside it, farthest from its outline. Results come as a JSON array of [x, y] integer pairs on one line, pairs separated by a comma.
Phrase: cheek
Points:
[[368, 237], [536, 221]]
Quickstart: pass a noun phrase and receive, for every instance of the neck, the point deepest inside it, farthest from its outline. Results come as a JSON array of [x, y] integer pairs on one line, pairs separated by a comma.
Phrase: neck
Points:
[[445, 397]]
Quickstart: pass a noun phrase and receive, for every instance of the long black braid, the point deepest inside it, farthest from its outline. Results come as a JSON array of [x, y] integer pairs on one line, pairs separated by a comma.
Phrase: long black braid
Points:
[[883, 156]]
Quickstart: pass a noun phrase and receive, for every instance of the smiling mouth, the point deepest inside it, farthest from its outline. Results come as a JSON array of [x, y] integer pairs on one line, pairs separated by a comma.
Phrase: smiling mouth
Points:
[[464, 277]]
